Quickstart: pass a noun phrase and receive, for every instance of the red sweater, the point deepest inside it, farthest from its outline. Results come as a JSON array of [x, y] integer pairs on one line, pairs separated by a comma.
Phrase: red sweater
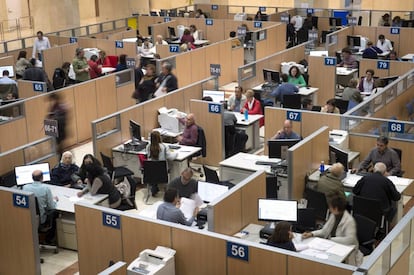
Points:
[[255, 110]]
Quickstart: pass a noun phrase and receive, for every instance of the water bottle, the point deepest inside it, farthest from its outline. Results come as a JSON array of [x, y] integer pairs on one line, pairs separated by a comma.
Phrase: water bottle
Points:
[[246, 114], [322, 167]]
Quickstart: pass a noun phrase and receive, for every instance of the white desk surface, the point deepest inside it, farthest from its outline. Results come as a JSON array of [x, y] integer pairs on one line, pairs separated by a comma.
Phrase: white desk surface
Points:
[[130, 39], [408, 56], [183, 153], [106, 70], [167, 133], [69, 196], [251, 119], [248, 162], [305, 91], [200, 42], [229, 87], [345, 71], [314, 246]]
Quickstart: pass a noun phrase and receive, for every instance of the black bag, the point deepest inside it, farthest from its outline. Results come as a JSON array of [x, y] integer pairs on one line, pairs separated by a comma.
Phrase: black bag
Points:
[[59, 80]]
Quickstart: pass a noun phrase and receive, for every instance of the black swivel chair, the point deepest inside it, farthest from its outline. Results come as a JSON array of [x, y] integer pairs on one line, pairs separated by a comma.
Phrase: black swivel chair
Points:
[[155, 172], [43, 229], [399, 153], [292, 101], [366, 229], [212, 177], [201, 142], [342, 105], [124, 174], [317, 201], [112, 170], [372, 209]]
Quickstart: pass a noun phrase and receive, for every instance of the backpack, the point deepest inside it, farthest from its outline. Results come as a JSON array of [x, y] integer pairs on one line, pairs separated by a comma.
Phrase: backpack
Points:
[[124, 187], [59, 79]]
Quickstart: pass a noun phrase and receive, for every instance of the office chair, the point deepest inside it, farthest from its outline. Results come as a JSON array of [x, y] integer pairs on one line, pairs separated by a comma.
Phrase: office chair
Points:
[[112, 170], [366, 229], [399, 153], [342, 105], [155, 172], [360, 20], [292, 101], [372, 209], [212, 177], [124, 174], [317, 201], [229, 139], [201, 142], [42, 230]]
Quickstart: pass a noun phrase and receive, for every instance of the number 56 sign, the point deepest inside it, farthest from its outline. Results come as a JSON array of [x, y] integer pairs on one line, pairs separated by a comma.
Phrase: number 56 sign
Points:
[[238, 251]]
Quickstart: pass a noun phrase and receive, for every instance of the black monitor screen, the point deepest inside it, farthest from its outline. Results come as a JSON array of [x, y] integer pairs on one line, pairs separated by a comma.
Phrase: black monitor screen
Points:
[[149, 30], [335, 21], [385, 81], [271, 76], [278, 147], [135, 130], [354, 41], [171, 31], [153, 13], [277, 210], [338, 155]]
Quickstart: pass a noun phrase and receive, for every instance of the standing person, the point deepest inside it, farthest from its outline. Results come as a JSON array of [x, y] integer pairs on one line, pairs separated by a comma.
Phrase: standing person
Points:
[[295, 77], [190, 133], [40, 43], [237, 100], [200, 14], [98, 182], [185, 184], [58, 111], [282, 236], [47, 205], [384, 44], [95, 70], [156, 150], [122, 63], [166, 81], [80, 66], [385, 20], [21, 64], [104, 60], [146, 87], [253, 106]]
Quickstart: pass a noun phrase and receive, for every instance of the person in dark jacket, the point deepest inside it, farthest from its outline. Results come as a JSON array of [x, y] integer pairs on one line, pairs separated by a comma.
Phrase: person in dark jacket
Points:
[[58, 111], [282, 236], [63, 172]]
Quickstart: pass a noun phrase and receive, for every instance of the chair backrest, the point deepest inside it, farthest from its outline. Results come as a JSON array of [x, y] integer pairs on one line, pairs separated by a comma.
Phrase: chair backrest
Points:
[[107, 163], [306, 218], [211, 175], [113, 59], [292, 101], [8, 88], [366, 228], [201, 141], [317, 201], [399, 152], [229, 139], [155, 171], [367, 207], [342, 105]]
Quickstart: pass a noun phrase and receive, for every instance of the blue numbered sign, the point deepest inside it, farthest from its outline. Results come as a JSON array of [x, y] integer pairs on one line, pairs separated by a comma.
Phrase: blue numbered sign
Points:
[[119, 44], [257, 24], [383, 65], [396, 127], [38, 87], [262, 9], [214, 7], [238, 251], [294, 116], [215, 69], [214, 108], [309, 11], [241, 31], [330, 61], [394, 30], [167, 19], [174, 48], [21, 200], [209, 22], [73, 40], [111, 220]]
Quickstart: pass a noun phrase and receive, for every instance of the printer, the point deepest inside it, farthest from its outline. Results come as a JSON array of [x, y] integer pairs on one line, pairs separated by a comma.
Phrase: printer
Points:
[[150, 262], [339, 138], [168, 120]]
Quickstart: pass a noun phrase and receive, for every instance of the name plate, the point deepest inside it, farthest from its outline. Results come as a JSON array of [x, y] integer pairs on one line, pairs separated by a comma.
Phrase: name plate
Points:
[[238, 251], [111, 220], [21, 200]]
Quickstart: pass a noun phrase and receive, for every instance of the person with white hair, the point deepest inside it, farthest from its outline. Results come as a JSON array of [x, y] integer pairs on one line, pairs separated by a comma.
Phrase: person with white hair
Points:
[[159, 40], [63, 174], [331, 180]]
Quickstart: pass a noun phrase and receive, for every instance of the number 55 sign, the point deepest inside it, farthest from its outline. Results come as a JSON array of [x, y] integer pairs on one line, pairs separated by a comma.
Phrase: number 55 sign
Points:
[[238, 251]]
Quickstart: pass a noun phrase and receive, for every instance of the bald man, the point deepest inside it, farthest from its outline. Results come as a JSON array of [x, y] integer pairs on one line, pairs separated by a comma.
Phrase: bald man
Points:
[[190, 133], [286, 132], [331, 180]]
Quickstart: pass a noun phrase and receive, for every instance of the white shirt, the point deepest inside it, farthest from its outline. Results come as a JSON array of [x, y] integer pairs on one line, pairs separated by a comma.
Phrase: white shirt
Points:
[[7, 80], [386, 46], [297, 20], [40, 45]]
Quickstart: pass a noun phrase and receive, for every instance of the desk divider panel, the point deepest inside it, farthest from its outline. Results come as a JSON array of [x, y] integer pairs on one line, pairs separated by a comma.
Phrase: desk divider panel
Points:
[[98, 244], [298, 265], [7, 61], [406, 41], [26, 89], [106, 97], [183, 67], [10, 160], [86, 42], [213, 126], [19, 249], [323, 77], [311, 121], [201, 71], [85, 107], [150, 113], [19, 132], [341, 40], [175, 99], [129, 48], [52, 59], [123, 95], [35, 112], [144, 22], [396, 107], [255, 188], [68, 52], [402, 265], [366, 64]]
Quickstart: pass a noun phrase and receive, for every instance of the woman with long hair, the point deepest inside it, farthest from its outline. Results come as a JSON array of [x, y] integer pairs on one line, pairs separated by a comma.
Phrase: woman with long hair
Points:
[[282, 236], [146, 87]]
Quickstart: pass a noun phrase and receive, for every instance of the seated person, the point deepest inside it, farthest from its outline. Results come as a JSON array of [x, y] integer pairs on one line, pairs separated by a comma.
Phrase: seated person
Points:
[[185, 185], [282, 236], [121, 63], [384, 44], [6, 80], [286, 132], [348, 60], [160, 41], [237, 100], [382, 154], [64, 173], [194, 32], [330, 107], [285, 88], [307, 104], [351, 90], [187, 37], [367, 83], [253, 106], [378, 186], [295, 77], [235, 42], [11, 96], [331, 180], [371, 51], [190, 134], [168, 211], [340, 227], [393, 56]]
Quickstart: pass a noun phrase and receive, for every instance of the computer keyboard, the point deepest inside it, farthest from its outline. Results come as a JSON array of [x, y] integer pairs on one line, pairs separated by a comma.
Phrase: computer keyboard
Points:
[[174, 147], [263, 162], [363, 173]]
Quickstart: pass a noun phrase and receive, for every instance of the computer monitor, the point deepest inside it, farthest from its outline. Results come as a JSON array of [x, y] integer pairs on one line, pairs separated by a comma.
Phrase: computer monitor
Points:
[[318, 53], [210, 191], [353, 41], [5, 102], [153, 13], [9, 68], [171, 31], [149, 30], [24, 173], [271, 76], [217, 96], [278, 147], [272, 210], [335, 21], [135, 130], [385, 81], [338, 155]]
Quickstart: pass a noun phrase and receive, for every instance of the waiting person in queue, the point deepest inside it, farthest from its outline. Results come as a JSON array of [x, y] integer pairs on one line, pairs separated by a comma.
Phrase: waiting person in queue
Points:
[[381, 153], [237, 100], [190, 133], [282, 236], [340, 227], [168, 211], [80, 66], [286, 132]]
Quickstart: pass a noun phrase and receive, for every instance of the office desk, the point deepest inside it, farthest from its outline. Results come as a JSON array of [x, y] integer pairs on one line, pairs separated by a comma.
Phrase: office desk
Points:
[[343, 75], [303, 91], [408, 57], [351, 180], [314, 246], [251, 127], [130, 159], [107, 70], [228, 89], [201, 42]]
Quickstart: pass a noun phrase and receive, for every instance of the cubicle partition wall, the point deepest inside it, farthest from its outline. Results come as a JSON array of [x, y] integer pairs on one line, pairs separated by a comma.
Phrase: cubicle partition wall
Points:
[[7, 61], [323, 76], [394, 68], [337, 40], [19, 250]]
